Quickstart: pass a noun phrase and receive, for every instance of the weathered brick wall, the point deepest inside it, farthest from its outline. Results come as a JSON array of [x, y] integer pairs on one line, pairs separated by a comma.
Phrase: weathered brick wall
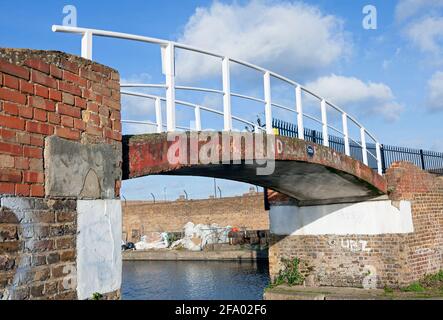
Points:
[[45, 94], [140, 217], [389, 259]]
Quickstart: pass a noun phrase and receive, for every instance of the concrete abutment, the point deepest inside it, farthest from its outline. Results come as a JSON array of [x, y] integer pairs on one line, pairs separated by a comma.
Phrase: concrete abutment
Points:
[[386, 242]]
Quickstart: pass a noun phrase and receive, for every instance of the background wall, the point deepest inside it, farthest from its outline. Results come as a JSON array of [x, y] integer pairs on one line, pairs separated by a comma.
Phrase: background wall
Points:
[[244, 211]]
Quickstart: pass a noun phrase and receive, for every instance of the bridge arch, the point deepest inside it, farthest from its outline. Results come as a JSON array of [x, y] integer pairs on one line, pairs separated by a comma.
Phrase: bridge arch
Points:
[[308, 172]]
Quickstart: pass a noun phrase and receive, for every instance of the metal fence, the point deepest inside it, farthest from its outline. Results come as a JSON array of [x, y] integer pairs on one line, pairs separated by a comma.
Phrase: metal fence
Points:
[[431, 161]]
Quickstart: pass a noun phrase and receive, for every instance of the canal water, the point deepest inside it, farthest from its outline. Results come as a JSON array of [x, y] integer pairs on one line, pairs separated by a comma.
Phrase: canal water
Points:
[[194, 280]]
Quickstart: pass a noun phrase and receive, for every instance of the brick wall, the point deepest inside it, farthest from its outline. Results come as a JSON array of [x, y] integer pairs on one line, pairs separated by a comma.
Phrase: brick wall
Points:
[[141, 217], [43, 94], [392, 259]]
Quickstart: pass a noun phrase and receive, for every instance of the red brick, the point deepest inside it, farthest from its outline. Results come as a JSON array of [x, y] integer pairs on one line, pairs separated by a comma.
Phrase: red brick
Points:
[[93, 107], [7, 135], [1, 79], [37, 127], [22, 190], [11, 82], [79, 124], [23, 137], [79, 102], [33, 152], [13, 96], [33, 177], [94, 130], [68, 110], [69, 88], [38, 102], [26, 87], [68, 76], [40, 115], [14, 70], [116, 126], [114, 135], [12, 122], [10, 148], [25, 112], [55, 95], [10, 175], [41, 91], [70, 66], [68, 98], [38, 65], [67, 121], [6, 188], [21, 163], [37, 190], [10, 108], [53, 118], [41, 78], [6, 161], [67, 133], [37, 140], [56, 72]]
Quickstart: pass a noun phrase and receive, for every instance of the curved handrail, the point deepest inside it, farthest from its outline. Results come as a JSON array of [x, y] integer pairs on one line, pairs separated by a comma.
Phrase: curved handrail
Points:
[[168, 62]]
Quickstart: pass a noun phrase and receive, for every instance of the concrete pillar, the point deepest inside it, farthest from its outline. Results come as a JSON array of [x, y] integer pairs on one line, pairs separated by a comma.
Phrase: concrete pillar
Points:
[[389, 241], [60, 177]]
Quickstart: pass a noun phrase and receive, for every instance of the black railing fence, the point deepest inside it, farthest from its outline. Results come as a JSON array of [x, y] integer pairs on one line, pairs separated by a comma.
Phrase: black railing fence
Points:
[[431, 161]]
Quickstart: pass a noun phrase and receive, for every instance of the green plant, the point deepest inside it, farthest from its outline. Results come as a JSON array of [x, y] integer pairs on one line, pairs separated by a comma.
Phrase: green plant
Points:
[[388, 290], [97, 296], [414, 287], [433, 279], [290, 273]]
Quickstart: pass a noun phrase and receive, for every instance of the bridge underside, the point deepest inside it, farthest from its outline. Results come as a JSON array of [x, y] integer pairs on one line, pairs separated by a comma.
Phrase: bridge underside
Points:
[[310, 173]]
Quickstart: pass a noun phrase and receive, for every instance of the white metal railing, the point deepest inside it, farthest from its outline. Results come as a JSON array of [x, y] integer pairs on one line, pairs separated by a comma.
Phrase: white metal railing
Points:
[[168, 66]]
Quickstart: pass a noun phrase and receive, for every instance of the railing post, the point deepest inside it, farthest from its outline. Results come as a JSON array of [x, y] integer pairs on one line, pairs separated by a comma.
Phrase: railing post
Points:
[[198, 122], [87, 45], [346, 134], [379, 163], [324, 120], [227, 114], [299, 106], [363, 145], [169, 71], [383, 158], [158, 115], [268, 103], [422, 158]]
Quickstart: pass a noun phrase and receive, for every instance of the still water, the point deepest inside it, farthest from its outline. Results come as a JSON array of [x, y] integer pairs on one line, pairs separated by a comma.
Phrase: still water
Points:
[[194, 280]]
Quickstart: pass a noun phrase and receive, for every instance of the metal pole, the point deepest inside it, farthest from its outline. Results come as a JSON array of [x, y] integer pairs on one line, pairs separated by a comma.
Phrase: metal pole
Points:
[[219, 191], [158, 115], [422, 158], [153, 197], [268, 103], [324, 119], [226, 95], [215, 189], [299, 106], [169, 71], [346, 134], [87, 45], [363, 146], [186, 194]]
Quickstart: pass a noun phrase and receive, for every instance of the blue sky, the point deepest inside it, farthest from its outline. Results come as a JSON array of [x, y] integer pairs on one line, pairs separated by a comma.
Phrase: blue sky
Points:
[[391, 78]]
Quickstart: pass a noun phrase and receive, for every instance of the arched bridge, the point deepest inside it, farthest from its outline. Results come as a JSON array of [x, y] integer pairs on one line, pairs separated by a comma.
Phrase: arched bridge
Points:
[[309, 172]]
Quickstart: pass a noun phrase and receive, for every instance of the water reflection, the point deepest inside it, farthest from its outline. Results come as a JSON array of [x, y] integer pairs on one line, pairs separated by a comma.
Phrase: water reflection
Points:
[[194, 280]]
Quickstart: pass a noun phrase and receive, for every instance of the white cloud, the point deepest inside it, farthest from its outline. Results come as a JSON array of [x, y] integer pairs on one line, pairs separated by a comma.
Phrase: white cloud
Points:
[[284, 37], [435, 92], [356, 96], [406, 9], [427, 34]]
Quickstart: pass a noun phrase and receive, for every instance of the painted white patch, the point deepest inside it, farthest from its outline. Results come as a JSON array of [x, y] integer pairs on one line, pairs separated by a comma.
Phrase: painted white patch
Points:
[[370, 217], [99, 261]]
